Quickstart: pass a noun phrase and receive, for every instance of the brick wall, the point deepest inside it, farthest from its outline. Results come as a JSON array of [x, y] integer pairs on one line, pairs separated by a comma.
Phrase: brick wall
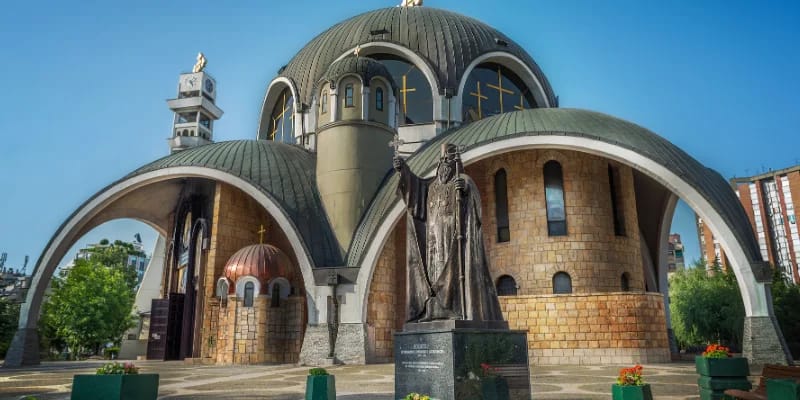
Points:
[[386, 303], [235, 224], [591, 328], [593, 256]]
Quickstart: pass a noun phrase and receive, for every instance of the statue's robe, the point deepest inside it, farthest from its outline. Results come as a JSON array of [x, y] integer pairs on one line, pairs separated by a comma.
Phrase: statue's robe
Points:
[[433, 270]]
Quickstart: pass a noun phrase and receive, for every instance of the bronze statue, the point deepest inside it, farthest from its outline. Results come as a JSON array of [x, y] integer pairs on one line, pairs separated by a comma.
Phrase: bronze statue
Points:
[[447, 273]]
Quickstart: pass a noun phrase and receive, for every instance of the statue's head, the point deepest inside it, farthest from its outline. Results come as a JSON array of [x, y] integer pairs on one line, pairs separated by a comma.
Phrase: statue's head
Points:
[[448, 162]]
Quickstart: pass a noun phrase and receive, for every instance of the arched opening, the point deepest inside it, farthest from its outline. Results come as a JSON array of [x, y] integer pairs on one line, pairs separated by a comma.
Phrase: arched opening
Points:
[[562, 283], [624, 282], [281, 127], [615, 192], [249, 294], [493, 89], [506, 286], [501, 205], [554, 199], [414, 93]]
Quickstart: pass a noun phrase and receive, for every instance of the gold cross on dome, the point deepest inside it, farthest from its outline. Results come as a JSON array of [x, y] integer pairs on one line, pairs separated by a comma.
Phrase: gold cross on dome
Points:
[[499, 88], [261, 231], [480, 98], [404, 91]]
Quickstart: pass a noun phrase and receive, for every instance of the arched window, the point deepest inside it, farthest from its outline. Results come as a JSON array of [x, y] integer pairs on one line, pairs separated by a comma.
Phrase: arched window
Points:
[[501, 205], [506, 286], [624, 282], [324, 103], [379, 99], [249, 290], [348, 96], [282, 126], [493, 89], [414, 94], [222, 291], [562, 283], [554, 199], [616, 207], [275, 300]]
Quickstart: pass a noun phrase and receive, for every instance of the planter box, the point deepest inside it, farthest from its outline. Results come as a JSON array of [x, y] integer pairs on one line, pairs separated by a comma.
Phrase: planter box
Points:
[[708, 394], [783, 389], [721, 384], [320, 387], [631, 392], [735, 366], [495, 388], [115, 387]]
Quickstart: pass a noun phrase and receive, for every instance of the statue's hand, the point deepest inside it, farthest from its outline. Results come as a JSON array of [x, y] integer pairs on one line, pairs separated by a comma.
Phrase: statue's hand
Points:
[[460, 184], [397, 163]]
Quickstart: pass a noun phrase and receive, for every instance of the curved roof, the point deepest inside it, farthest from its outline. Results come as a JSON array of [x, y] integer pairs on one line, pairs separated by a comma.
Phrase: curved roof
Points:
[[283, 172], [261, 261], [449, 42], [364, 67], [566, 122]]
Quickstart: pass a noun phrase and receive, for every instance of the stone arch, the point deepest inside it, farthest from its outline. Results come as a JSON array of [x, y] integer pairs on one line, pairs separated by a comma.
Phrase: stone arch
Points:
[[755, 289], [24, 347]]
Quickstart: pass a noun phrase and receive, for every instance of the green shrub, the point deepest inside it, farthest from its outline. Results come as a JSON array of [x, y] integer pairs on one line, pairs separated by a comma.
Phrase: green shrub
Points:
[[318, 372]]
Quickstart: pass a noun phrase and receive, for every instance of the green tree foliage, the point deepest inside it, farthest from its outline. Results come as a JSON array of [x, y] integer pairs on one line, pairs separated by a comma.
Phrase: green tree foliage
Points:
[[92, 304], [9, 320], [706, 307], [786, 303]]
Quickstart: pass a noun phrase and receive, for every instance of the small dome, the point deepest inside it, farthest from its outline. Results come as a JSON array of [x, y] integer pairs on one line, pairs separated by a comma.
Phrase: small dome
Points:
[[261, 261], [364, 67]]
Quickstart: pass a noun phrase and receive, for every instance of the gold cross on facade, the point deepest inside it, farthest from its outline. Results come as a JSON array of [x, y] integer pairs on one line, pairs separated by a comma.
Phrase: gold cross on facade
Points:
[[500, 88], [521, 105], [261, 232], [404, 91], [281, 115], [480, 99]]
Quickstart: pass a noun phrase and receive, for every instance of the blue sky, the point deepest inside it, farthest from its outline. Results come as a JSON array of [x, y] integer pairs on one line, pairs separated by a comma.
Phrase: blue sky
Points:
[[84, 84]]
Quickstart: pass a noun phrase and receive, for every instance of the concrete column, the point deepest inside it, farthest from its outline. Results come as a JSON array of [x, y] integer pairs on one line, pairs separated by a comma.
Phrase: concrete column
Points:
[[334, 105], [365, 103], [763, 342], [24, 349]]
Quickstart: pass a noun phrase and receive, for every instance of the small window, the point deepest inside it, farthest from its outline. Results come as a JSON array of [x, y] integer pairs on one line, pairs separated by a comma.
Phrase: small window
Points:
[[379, 99], [562, 283], [506, 286], [348, 96], [616, 207], [624, 283], [554, 199], [249, 288], [501, 205], [324, 103], [275, 301]]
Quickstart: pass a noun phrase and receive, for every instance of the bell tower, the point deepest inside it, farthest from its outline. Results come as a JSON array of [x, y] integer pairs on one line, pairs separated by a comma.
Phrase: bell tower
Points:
[[194, 108]]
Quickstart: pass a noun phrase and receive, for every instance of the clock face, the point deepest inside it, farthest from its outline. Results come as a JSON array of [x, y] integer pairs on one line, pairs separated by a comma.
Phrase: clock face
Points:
[[191, 81], [209, 85]]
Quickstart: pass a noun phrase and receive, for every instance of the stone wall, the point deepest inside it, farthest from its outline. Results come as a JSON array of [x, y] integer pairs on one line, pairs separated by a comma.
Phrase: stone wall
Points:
[[591, 328], [236, 221], [386, 303], [591, 253]]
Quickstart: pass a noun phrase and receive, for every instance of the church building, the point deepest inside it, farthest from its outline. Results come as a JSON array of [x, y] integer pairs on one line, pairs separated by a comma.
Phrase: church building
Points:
[[290, 247]]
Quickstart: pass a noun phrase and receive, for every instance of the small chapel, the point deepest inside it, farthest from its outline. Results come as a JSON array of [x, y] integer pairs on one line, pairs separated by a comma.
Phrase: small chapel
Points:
[[290, 247]]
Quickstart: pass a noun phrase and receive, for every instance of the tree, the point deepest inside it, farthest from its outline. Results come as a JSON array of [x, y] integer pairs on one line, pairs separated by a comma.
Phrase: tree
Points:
[[786, 304], [116, 256], [9, 321], [706, 307], [91, 306]]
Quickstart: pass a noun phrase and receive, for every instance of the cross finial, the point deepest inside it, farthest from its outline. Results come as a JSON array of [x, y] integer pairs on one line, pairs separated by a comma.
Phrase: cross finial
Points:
[[357, 51], [410, 3], [396, 143], [261, 232], [201, 63]]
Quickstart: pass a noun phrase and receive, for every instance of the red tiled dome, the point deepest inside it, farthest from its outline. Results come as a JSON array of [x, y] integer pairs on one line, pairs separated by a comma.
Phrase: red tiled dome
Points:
[[262, 261]]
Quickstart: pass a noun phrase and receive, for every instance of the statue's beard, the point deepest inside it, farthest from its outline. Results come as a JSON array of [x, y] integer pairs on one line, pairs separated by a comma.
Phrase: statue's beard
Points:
[[445, 172]]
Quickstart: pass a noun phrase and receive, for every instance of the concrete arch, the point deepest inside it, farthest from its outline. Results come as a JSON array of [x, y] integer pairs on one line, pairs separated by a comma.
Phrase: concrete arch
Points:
[[24, 348], [516, 65], [755, 295], [273, 90]]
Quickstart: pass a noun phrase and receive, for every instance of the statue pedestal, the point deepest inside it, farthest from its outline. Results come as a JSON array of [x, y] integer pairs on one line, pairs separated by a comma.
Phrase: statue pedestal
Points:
[[443, 359]]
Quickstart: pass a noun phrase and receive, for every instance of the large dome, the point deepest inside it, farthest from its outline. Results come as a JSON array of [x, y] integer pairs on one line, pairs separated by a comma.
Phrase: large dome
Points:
[[448, 42]]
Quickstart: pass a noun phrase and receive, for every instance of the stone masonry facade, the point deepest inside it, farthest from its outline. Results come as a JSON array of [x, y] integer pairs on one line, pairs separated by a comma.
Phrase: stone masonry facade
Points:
[[598, 322]]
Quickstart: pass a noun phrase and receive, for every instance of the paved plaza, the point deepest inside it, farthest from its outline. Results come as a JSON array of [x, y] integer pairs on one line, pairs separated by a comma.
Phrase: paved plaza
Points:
[[53, 380]]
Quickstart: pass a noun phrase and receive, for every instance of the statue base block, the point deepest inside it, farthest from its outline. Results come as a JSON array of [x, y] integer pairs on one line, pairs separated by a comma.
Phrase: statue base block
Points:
[[459, 360]]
